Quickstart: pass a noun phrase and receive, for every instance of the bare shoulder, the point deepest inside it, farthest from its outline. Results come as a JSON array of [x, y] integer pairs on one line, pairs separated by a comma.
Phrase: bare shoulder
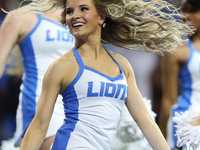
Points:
[[179, 55], [123, 62], [19, 14], [19, 24], [182, 53], [64, 69], [64, 63]]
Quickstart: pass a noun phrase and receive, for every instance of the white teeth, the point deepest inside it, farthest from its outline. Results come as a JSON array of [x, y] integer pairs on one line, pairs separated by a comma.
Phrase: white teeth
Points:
[[78, 24]]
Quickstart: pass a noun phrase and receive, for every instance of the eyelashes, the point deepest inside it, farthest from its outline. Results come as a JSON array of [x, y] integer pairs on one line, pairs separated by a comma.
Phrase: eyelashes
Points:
[[71, 11]]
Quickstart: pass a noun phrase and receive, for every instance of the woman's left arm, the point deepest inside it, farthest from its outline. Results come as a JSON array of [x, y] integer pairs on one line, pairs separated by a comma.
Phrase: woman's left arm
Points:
[[139, 112]]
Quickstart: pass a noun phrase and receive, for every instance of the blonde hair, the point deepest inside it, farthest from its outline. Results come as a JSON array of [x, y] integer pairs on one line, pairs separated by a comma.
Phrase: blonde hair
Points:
[[132, 22]]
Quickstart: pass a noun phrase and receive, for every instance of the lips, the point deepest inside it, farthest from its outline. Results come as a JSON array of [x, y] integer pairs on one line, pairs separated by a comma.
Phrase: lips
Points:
[[77, 24]]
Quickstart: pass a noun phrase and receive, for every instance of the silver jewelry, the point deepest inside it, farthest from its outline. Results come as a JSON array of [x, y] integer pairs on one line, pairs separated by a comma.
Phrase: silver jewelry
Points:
[[104, 25]]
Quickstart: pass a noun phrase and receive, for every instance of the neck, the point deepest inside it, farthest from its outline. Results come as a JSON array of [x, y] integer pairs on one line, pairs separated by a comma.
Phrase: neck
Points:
[[90, 46]]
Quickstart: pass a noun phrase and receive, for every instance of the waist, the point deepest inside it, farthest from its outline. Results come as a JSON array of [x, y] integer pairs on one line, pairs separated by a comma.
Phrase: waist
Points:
[[92, 137]]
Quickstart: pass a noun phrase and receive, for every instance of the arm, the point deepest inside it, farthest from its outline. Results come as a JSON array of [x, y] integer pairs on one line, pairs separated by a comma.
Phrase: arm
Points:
[[170, 70], [13, 31], [9, 32], [37, 130], [139, 112]]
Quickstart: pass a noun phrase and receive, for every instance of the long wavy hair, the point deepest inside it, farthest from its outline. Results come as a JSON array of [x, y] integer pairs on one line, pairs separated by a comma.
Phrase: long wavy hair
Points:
[[130, 23]]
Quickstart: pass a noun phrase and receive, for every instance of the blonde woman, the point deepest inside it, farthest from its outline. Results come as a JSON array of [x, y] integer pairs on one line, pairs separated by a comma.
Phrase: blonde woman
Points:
[[42, 40], [96, 83]]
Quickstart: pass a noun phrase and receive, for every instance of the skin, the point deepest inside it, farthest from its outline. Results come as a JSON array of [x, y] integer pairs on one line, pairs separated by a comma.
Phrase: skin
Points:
[[196, 121], [171, 66], [13, 32], [63, 71]]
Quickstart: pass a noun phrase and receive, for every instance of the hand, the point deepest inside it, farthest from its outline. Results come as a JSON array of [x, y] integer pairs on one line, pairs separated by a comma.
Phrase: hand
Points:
[[195, 121]]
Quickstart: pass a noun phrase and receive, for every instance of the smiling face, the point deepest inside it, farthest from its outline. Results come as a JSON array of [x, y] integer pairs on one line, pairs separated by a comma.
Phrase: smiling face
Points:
[[83, 19]]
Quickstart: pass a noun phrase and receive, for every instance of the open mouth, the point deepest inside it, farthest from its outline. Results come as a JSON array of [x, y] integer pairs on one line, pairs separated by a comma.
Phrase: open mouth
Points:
[[76, 25]]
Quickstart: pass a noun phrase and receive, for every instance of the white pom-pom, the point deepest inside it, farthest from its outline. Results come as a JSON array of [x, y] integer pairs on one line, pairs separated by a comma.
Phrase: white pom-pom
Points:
[[8, 145], [129, 135], [188, 136]]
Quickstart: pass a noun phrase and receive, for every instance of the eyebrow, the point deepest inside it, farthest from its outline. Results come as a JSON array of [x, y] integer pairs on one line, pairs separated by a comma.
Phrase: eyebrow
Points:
[[82, 5]]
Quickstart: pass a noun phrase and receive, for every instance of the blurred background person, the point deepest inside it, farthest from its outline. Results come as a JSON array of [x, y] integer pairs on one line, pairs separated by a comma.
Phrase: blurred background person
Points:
[[42, 40], [147, 72], [9, 83], [188, 128], [181, 71]]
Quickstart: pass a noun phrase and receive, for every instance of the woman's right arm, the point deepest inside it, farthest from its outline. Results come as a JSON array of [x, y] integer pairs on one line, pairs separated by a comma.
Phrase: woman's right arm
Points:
[[170, 70], [37, 130]]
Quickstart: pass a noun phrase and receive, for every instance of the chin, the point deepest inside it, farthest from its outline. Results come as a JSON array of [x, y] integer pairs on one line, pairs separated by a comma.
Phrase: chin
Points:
[[80, 36], [76, 34]]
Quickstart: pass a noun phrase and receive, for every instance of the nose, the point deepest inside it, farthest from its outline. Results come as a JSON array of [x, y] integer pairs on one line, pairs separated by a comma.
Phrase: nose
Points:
[[76, 14]]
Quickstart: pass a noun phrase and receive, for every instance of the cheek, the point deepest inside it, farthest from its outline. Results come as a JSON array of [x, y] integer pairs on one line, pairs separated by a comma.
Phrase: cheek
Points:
[[91, 17], [68, 20], [88, 16]]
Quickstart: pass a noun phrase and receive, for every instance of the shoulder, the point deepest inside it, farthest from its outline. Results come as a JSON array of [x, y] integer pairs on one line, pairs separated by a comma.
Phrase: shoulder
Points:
[[20, 15], [19, 23], [124, 63], [66, 61], [64, 69], [181, 49], [179, 55]]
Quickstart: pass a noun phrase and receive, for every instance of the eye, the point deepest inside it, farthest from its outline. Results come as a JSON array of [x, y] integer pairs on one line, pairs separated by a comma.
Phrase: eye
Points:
[[69, 11], [84, 9]]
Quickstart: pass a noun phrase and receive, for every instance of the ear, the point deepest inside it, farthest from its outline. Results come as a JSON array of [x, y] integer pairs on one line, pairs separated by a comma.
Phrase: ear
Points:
[[102, 20]]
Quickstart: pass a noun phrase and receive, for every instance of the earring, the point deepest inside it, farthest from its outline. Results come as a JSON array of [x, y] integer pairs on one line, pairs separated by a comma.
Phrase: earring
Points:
[[104, 25]]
